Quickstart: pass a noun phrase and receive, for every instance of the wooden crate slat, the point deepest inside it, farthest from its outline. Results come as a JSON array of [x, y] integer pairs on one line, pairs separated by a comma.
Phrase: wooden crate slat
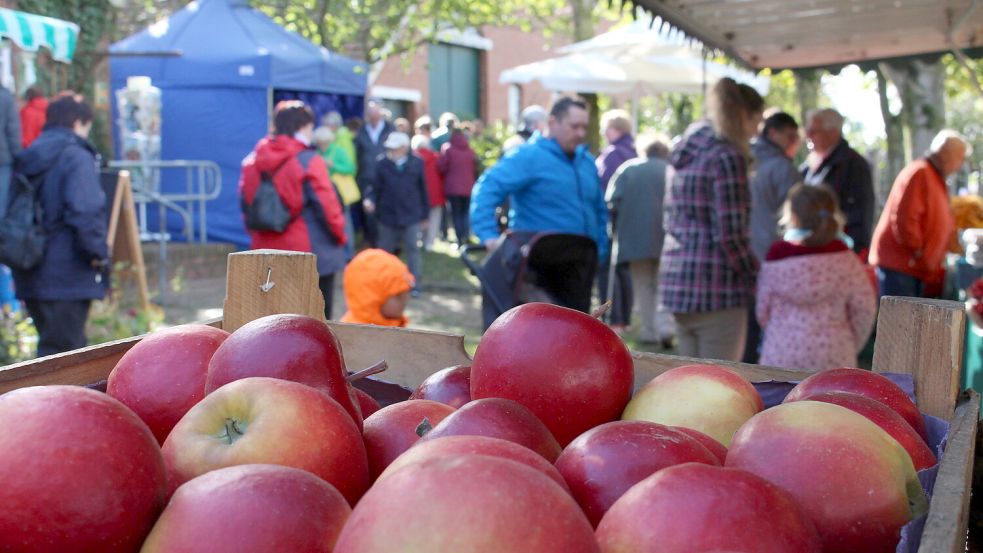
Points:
[[923, 338], [948, 513]]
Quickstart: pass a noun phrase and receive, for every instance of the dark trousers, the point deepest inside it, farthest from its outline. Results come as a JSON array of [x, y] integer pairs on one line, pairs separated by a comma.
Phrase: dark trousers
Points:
[[326, 284], [621, 295], [60, 324], [896, 283], [752, 344], [365, 222], [462, 223]]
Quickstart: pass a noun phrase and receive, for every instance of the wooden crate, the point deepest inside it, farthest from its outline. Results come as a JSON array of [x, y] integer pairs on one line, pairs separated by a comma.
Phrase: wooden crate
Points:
[[918, 337]]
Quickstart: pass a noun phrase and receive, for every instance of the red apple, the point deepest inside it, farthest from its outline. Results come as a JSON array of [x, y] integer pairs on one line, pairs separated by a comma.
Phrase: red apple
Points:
[[269, 421], [695, 508], [78, 472], [162, 376], [570, 369], [885, 417], [392, 430], [604, 462], [451, 386], [865, 383], [452, 446], [712, 399], [472, 503], [367, 404], [715, 447], [854, 481], [499, 418], [256, 509], [291, 347]]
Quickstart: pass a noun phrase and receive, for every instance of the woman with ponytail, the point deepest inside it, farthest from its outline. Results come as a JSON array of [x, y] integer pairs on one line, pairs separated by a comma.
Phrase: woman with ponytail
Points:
[[707, 270], [816, 303]]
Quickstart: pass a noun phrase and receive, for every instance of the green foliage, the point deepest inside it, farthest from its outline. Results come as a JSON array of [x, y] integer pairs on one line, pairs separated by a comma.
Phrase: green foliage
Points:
[[488, 146], [375, 29], [18, 337], [115, 318], [782, 92], [964, 105]]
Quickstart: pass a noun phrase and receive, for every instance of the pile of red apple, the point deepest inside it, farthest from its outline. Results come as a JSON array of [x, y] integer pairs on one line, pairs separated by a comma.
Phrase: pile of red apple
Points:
[[255, 442]]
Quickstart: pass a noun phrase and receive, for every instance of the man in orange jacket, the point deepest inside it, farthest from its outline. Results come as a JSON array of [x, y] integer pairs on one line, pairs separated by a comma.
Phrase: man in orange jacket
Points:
[[916, 226]]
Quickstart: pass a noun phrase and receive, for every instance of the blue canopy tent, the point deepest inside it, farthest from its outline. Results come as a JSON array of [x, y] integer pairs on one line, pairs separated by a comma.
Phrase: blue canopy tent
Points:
[[220, 65]]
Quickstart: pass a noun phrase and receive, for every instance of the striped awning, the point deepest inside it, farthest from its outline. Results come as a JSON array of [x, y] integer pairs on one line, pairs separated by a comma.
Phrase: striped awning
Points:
[[30, 32]]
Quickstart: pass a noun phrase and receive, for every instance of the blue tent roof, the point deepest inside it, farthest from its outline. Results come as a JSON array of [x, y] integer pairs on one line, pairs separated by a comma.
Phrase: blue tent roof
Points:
[[227, 43]]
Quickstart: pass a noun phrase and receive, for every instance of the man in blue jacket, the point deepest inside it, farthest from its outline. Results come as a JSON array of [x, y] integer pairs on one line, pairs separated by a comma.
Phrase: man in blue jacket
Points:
[[552, 185], [73, 271]]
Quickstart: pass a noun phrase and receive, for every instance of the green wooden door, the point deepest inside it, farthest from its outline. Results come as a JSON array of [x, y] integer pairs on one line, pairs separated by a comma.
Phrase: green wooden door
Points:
[[454, 80]]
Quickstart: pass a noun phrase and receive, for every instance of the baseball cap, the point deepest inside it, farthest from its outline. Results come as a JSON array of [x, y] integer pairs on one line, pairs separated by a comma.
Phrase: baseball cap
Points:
[[396, 140]]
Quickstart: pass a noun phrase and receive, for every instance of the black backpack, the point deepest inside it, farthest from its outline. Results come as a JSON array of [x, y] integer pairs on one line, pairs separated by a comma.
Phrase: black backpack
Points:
[[267, 212], [22, 233]]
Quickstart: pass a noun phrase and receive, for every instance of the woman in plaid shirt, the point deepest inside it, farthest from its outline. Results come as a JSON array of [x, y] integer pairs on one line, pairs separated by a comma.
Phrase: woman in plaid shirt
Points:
[[708, 271]]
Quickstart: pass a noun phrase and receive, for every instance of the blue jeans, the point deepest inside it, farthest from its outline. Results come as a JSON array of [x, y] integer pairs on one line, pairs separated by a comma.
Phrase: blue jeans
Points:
[[407, 238], [896, 283]]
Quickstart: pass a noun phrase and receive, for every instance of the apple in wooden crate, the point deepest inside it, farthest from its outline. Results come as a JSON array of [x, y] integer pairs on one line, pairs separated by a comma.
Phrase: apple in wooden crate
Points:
[[472, 503], [709, 398], [889, 421], [866, 383], [269, 421], [451, 446], [78, 472], [390, 431], [163, 375], [604, 462], [570, 369], [251, 509], [715, 447], [367, 405], [292, 347], [499, 418], [451, 386], [699, 508], [854, 481]]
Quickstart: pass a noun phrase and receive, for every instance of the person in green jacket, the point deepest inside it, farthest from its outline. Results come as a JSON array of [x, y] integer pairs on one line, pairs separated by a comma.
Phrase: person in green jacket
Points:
[[341, 168], [342, 135]]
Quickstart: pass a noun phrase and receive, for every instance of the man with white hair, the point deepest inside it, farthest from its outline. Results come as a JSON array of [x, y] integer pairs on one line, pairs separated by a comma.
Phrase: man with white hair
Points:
[[917, 225], [833, 162]]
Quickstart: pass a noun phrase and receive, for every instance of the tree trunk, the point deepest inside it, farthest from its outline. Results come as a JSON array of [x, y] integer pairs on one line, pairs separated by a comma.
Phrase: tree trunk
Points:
[[894, 131], [583, 29], [807, 91], [920, 86]]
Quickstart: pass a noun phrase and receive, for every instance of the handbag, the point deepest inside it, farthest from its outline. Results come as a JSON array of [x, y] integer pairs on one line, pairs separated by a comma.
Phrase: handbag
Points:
[[347, 188]]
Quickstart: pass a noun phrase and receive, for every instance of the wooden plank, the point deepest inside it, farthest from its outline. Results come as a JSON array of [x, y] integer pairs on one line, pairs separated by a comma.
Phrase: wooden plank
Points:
[[267, 282], [948, 513], [124, 237], [923, 338]]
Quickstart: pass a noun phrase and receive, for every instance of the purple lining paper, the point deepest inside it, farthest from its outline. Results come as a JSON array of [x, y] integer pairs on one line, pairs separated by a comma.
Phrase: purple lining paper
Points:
[[773, 392]]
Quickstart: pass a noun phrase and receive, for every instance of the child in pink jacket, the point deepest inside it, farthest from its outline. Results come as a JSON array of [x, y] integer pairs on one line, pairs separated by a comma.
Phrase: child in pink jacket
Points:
[[815, 301]]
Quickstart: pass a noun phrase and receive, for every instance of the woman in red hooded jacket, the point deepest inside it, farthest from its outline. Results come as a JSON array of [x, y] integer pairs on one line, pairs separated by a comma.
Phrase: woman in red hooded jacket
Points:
[[459, 165], [301, 179]]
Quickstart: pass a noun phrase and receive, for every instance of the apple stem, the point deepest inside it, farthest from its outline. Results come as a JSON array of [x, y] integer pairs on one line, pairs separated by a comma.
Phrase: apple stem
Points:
[[232, 431], [602, 310], [374, 369]]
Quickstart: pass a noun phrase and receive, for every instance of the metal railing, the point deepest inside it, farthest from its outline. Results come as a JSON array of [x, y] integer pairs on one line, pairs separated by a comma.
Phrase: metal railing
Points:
[[203, 182]]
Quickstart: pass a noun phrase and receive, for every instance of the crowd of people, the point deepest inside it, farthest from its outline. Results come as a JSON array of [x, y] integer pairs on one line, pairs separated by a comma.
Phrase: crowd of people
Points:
[[723, 247]]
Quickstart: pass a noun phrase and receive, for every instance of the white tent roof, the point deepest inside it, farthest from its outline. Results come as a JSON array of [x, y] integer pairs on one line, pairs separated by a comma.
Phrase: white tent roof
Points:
[[603, 74]]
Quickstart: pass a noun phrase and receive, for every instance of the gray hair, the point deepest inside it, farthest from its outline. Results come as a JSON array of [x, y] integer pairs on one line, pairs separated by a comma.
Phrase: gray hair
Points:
[[323, 135], [331, 119], [829, 118], [948, 139]]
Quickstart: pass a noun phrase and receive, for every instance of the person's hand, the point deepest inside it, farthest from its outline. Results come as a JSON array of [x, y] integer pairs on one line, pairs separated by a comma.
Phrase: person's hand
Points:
[[493, 243], [369, 206]]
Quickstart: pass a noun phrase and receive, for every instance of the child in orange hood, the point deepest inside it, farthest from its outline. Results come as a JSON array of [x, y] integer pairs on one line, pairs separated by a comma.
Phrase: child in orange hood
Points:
[[377, 288]]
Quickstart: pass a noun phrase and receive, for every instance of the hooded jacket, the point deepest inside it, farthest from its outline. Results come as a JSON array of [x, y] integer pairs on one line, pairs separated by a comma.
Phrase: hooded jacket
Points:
[[458, 163], [319, 223], [32, 118], [816, 306], [549, 191], [773, 175], [75, 219], [707, 264], [432, 176], [372, 277]]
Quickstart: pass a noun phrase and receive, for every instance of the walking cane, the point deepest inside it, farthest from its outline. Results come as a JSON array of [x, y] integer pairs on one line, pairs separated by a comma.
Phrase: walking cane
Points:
[[611, 272]]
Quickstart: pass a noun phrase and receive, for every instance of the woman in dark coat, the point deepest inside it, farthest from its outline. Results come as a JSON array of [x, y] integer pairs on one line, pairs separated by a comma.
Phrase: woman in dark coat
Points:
[[74, 269]]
